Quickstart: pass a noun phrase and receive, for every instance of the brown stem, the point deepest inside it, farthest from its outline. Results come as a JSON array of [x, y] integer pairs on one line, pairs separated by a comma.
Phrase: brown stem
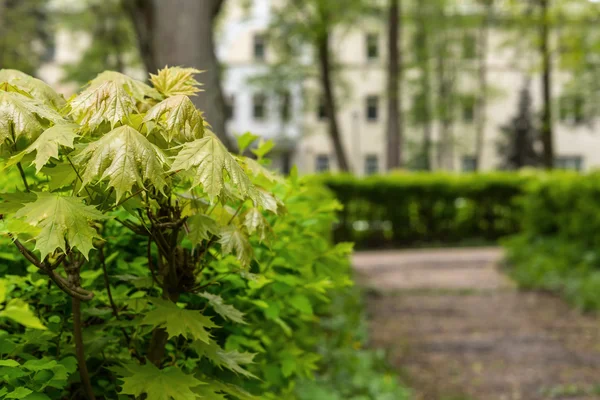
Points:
[[79, 350]]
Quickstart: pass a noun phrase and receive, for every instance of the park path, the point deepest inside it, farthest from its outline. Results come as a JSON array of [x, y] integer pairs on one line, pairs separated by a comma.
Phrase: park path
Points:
[[456, 328]]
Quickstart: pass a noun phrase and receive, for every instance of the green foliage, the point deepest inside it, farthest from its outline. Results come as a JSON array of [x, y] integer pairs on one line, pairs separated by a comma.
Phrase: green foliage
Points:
[[557, 247], [411, 209], [182, 271]]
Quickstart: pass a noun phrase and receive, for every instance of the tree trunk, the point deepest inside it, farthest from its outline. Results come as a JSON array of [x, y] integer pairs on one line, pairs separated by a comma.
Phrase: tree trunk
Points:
[[180, 33], [425, 83], [546, 131], [481, 104], [330, 103], [394, 119]]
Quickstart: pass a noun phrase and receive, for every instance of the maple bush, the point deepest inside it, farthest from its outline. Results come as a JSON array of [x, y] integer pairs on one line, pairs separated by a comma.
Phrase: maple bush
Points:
[[147, 261]]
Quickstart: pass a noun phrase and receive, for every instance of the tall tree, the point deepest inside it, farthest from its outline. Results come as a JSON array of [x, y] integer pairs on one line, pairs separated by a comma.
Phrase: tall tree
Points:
[[546, 57], [181, 32], [516, 147], [482, 79], [394, 127], [311, 23]]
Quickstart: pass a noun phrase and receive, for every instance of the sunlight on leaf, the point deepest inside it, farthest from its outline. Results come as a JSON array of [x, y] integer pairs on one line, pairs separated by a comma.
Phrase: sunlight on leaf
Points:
[[158, 384], [174, 81]]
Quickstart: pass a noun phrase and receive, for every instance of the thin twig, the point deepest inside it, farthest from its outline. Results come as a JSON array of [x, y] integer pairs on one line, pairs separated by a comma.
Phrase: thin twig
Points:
[[20, 167], [79, 176]]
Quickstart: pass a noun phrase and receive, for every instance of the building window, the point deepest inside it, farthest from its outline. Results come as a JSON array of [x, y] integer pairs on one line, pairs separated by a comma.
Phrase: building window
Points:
[[321, 111], [572, 109], [573, 163], [372, 42], [468, 109], [372, 108], [371, 164], [469, 44], [259, 47], [230, 107], [469, 163], [259, 109], [322, 163], [285, 106]]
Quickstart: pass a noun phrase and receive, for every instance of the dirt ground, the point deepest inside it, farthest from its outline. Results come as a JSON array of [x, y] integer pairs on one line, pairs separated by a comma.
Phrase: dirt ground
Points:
[[457, 329]]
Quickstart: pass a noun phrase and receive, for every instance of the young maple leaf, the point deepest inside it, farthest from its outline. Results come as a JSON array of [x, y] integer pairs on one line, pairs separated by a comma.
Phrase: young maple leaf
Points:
[[201, 227], [176, 80], [21, 116], [233, 240], [178, 321], [207, 158], [231, 360], [256, 222], [37, 88], [107, 102], [159, 384], [60, 218], [216, 390], [224, 310], [125, 157], [179, 118], [47, 144], [137, 89]]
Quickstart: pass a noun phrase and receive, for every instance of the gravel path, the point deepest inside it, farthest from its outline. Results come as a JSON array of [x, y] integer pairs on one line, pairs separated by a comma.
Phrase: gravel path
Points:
[[457, 329]]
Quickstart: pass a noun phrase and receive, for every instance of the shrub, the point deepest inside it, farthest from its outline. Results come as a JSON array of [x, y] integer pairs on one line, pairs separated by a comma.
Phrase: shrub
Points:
[[557, 247], [412, 209]]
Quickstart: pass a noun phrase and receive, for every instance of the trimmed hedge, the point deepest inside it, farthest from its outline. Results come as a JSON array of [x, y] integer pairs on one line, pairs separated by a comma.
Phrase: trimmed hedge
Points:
[[557, 248], [414, 209]]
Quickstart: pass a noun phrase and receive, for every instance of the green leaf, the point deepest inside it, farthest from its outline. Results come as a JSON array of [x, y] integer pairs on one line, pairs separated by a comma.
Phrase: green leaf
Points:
[[179, 119], [47, 144], [225, 310], [3, 290], [201, 227], [19, 311], [12, 202], [125, 157], [213, 389], [263, 148], [21, 116], [9, 363], [256, 222], [137, 89], [178, 321], [233, 240], [18, 393], [301, 303], [37, 88], [208, 158], [175, 81], [60, 175], [107, 102], [245, 140], [60, 218], [255, 169], [231, 360], [159, 384]]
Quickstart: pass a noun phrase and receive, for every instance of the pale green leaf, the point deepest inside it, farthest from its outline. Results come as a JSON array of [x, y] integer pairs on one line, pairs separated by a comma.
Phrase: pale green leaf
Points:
[[178, 321], [2, 290], [159, 384], [301, 303], [107, 102], [125, 157], [264, 199], [60, 218], [245, 140], [19, 311], [213, 390], [9, 363], [256, 222], [225, 310], [137, 89], [47, 144], [263, 148], [21, 116], [231, 360], [255, 169], [233, 240], [174, 81], [60, 175], [19, 393], [37, 88], [201, 227], [208, 158], [178, 117], [12, 202]]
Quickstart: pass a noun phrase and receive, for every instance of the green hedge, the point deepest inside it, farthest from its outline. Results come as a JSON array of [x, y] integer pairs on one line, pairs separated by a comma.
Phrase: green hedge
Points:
[[413, 209], [557, 248]]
